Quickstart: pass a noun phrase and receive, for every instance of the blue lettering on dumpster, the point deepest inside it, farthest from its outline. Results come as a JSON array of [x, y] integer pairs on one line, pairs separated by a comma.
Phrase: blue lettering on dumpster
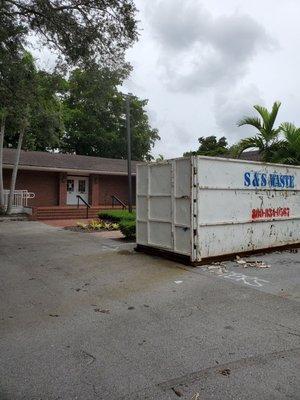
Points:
[[274, 180]]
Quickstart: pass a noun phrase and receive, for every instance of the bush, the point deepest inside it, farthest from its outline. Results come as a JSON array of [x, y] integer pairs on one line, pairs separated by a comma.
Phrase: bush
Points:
[[117, 215], [127, 227]]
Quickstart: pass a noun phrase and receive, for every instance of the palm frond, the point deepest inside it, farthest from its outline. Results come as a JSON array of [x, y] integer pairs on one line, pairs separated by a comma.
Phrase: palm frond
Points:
[[248, 143], [292, 136], [264, 113], [268, 117], [253, 121], [273, 114], [287, 127]]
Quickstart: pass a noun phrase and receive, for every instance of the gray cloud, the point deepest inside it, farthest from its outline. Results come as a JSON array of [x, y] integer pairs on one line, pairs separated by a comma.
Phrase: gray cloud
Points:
[[231, 105], [177, 26], [199, 51]]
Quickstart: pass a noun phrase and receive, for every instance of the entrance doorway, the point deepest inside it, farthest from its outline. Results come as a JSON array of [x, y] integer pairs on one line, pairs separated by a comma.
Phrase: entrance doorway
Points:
[[77, 185]]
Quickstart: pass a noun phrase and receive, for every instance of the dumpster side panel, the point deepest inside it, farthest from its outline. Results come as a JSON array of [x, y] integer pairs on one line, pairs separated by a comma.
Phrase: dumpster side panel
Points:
[[163, 205], [244, 206]]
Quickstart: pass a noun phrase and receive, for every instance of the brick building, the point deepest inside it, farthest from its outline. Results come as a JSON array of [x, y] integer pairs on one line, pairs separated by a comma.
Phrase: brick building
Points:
[[58, 179]]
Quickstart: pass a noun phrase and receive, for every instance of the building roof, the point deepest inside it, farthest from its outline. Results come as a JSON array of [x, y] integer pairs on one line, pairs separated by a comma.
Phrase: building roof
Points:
[[43, 161], [252, 155]]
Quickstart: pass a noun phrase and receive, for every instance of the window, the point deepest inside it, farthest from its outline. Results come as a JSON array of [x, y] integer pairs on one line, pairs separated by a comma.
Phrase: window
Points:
[[70, 185], [81, 186]]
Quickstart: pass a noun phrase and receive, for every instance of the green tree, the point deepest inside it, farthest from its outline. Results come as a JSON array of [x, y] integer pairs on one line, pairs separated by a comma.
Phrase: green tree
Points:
[[95, 120], [288, 151], [18, 88], [10, 55], [210, 146], [28, 107], [81, 31], [266, 139], [45, 119]]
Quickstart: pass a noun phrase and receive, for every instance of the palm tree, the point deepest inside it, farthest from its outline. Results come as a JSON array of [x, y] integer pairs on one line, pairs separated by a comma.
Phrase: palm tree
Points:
[[289, 149], [266, 140]]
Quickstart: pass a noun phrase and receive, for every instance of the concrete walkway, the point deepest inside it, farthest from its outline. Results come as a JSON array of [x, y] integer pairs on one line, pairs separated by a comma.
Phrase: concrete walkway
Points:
[[84, 317]]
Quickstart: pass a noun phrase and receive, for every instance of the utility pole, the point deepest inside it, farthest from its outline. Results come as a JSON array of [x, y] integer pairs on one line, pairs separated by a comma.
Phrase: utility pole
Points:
[[129, 152]]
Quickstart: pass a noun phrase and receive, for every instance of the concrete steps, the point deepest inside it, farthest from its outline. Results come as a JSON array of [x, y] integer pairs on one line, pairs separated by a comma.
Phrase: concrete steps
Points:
[[55, 212]]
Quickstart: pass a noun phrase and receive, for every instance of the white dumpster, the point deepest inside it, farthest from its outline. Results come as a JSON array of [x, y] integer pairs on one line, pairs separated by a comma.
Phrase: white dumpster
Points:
[[199, 208]]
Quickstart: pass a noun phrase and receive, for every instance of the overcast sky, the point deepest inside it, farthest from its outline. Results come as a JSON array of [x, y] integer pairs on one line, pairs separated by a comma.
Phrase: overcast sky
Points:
[[203, 64]]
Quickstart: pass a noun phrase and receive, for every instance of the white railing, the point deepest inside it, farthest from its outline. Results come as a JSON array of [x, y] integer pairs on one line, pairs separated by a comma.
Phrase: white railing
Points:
[[20, 198]]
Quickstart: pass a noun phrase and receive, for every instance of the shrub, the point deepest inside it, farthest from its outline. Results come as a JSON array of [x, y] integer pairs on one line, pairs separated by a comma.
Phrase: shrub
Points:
[[117, 215], [99, 225], [81, 225], [127, 227]]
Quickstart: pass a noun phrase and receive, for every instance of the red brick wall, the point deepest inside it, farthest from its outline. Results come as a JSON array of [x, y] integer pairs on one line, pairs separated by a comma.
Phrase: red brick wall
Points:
[[43, 184], [114, 185]]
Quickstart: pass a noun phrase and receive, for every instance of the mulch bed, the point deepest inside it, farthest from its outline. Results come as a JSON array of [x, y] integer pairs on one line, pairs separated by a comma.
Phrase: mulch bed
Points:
[[78, 229]]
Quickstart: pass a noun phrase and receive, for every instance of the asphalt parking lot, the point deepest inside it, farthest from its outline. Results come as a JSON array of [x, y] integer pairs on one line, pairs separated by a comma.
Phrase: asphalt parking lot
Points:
[[85, 317]]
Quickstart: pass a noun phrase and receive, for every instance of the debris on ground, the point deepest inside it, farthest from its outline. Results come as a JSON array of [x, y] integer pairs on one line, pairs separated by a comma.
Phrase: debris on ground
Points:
[[218, 267], [196, 396], [251, 263], [240, 261], [177, 392], [102, 310], [225, 371]]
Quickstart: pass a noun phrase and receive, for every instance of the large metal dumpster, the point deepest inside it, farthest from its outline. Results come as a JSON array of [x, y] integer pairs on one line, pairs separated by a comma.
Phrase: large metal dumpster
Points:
[[199, 208]]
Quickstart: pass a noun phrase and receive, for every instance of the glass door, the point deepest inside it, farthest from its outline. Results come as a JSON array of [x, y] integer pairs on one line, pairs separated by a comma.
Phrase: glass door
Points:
[[77, 185]]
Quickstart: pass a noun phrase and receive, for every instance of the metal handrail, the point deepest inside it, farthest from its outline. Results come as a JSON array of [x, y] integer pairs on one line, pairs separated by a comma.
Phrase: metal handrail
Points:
[[116, 199], [20, 198], [86, 203]]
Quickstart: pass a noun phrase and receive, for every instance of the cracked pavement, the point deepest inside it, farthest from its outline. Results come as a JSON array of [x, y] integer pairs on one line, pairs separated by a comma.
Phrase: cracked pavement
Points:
[[84, 317]]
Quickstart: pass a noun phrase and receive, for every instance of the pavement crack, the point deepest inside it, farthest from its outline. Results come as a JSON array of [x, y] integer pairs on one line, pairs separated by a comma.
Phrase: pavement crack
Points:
[[233, 365], [92, 358]]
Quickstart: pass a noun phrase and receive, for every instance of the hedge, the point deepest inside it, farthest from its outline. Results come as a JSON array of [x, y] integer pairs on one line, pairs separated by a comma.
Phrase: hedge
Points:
[[127, 227], [124, 218], [117, 215]]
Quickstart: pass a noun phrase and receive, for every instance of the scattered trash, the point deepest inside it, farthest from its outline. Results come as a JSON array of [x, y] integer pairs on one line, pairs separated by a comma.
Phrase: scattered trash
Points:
[[251, 263], [218, 267], [196, 396], [102, 310], [178, 282], [239, 260], [225, 371], [177, 392]]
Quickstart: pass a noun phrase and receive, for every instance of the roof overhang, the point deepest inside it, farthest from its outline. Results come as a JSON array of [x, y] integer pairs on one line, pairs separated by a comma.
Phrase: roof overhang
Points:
[[70, 171]]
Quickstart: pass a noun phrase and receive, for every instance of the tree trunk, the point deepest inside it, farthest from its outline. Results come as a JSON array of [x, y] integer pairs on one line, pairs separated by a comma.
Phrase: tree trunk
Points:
[[14, 173], [2, 130]]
